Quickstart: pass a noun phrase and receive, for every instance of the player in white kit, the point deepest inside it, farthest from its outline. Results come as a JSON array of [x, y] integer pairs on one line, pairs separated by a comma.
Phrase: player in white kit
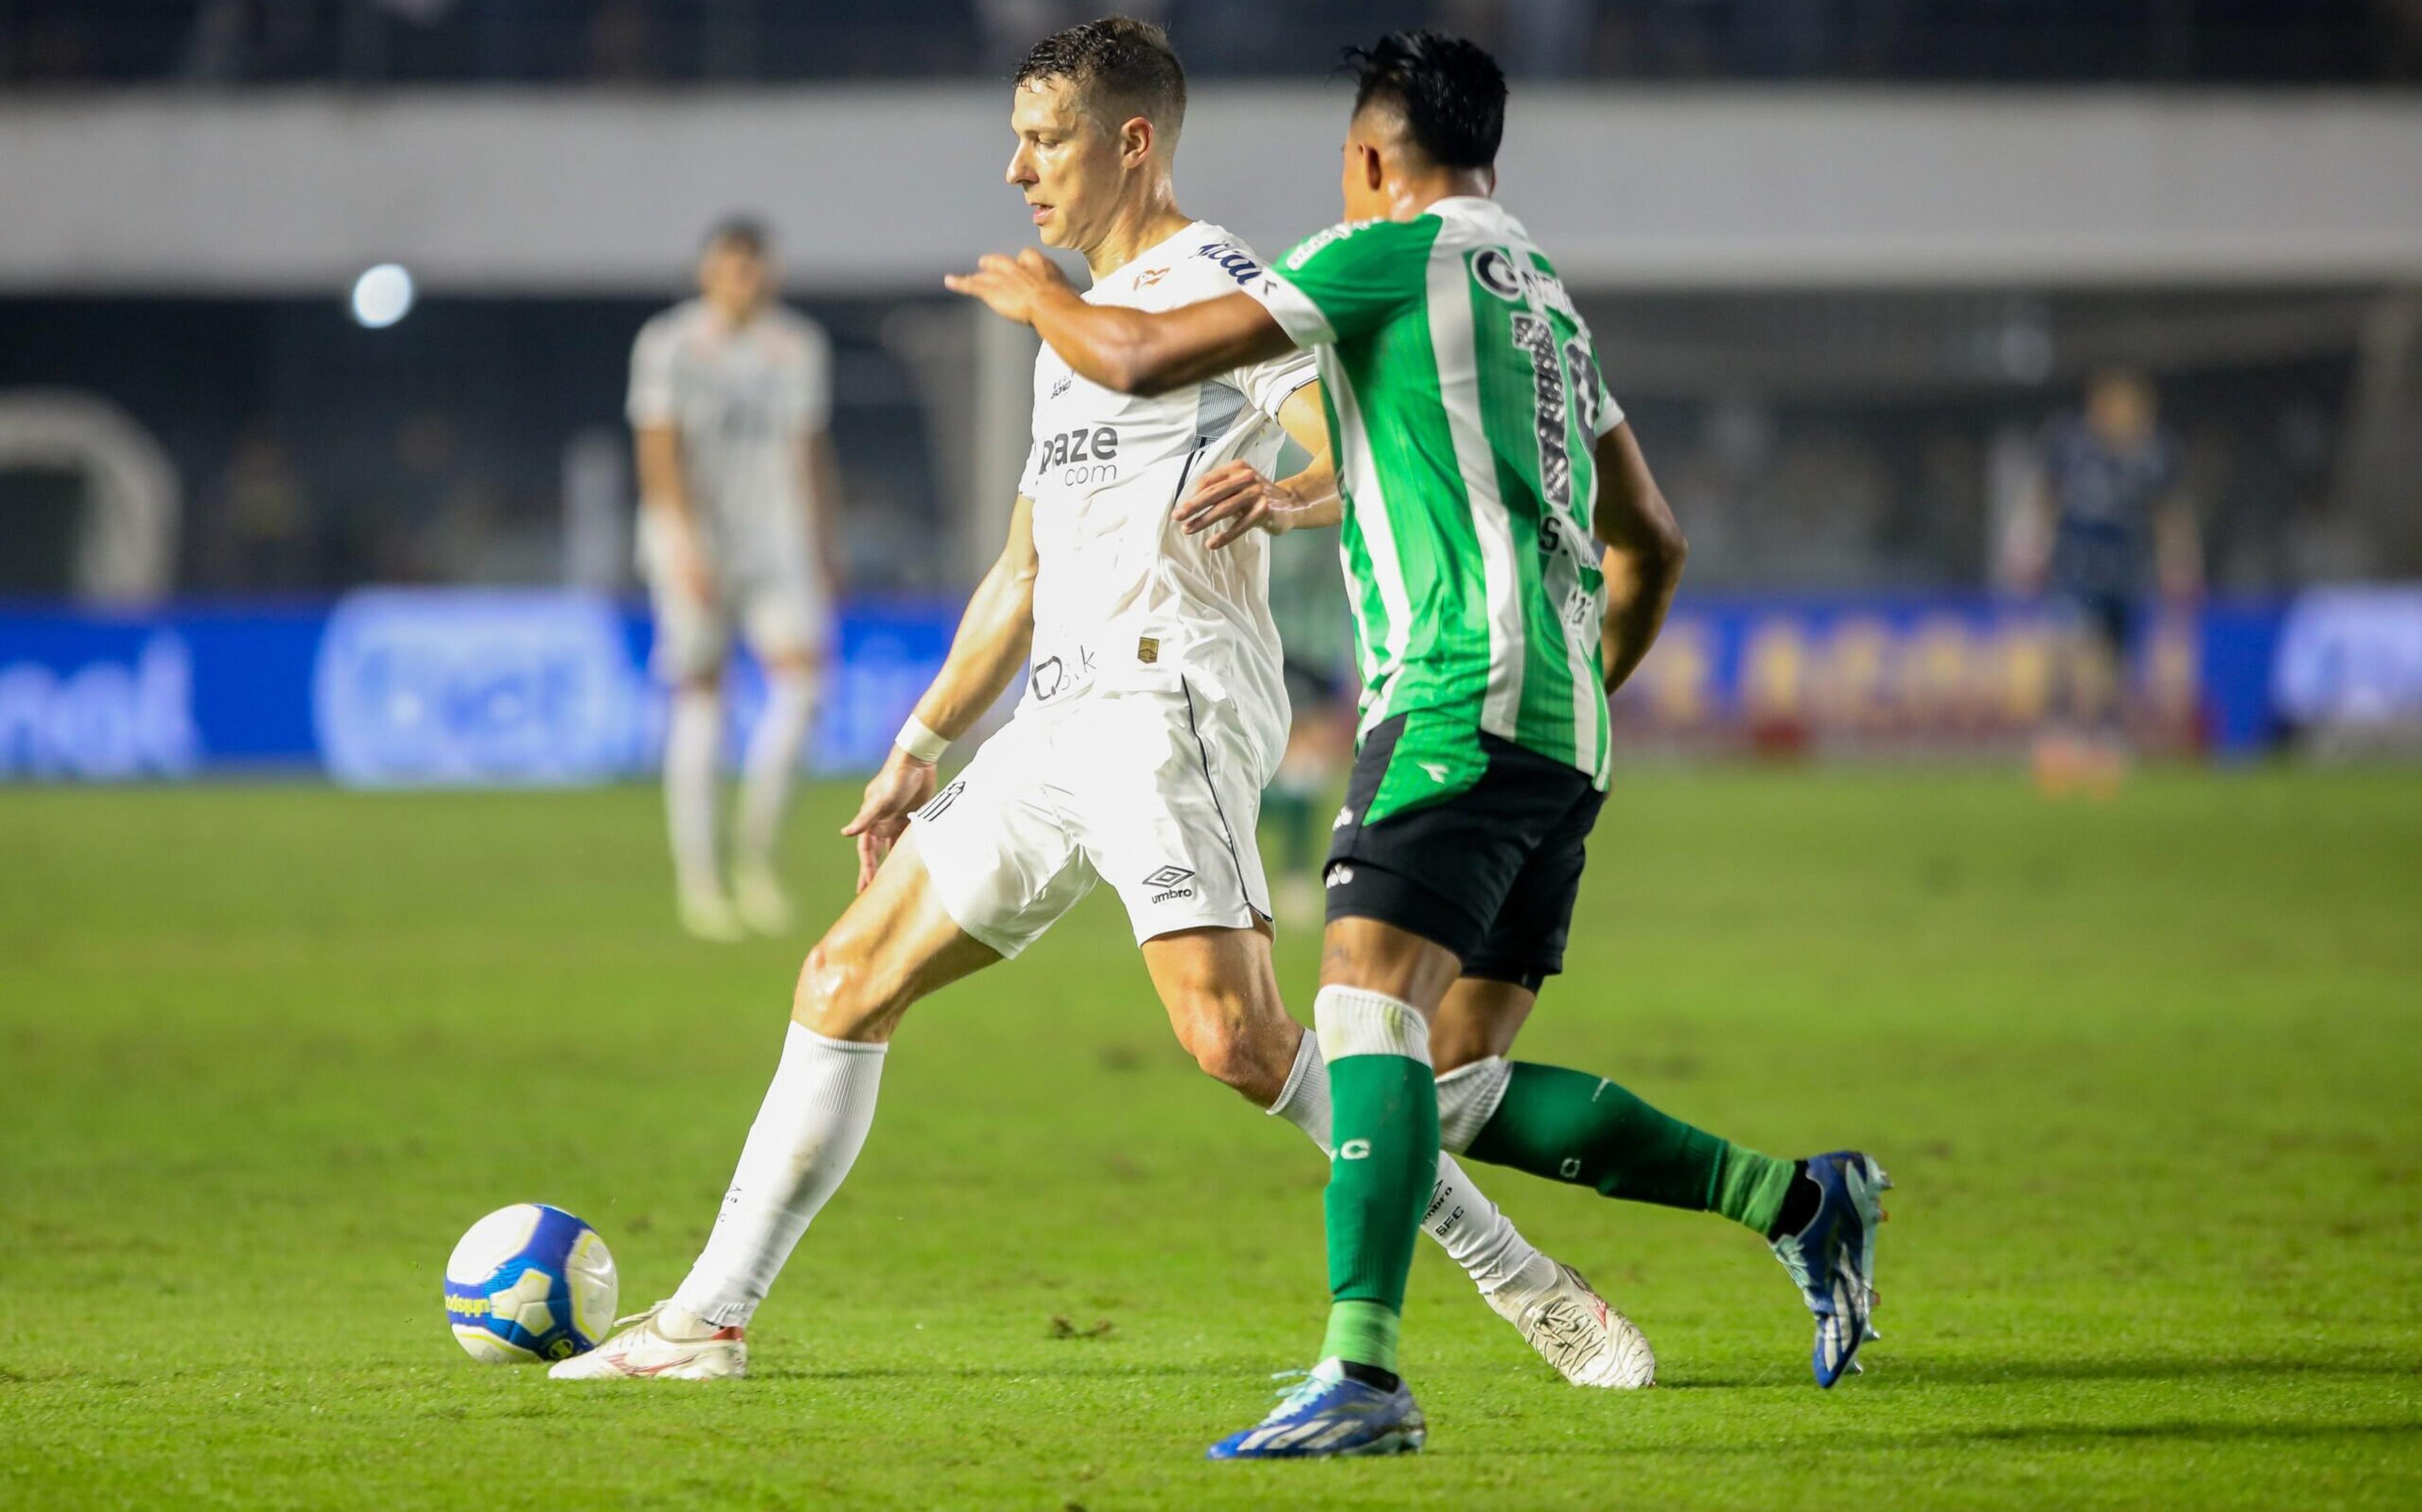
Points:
[[1154, 714], [730, 395]]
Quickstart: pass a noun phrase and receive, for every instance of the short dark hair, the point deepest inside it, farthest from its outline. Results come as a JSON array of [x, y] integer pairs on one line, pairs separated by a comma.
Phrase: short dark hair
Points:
[[746, 232], [1125, 65], [1450, 92]]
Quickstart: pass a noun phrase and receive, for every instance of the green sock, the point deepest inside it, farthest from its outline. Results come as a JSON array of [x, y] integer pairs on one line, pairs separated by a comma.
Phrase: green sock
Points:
[[1570, 1126], [1364, 1333], [1752, 1186], [1383, 1112]]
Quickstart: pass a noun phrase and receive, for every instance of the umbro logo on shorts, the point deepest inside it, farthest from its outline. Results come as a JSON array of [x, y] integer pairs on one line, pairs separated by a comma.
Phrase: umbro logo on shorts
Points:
[[942, 801], [1168, 879]]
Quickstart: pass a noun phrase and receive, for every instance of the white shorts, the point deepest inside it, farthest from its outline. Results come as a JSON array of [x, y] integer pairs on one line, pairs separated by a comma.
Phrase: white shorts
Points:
[[778, 605], [1159, 793]]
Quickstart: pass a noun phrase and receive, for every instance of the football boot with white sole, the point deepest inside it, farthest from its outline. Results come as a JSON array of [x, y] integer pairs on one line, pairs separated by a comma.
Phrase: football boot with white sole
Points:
[[1329, 1415], [641, 1350], [1574, 1330], [1832, 1258], [758, 898], [710, 916]]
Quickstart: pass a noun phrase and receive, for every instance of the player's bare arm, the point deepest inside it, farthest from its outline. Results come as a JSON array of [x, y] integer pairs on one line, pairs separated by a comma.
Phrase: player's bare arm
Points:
[[819, 471], [2177, 551], [1131, 351], [1645, 550], [992, 642], [1237, 499], [664, 488]]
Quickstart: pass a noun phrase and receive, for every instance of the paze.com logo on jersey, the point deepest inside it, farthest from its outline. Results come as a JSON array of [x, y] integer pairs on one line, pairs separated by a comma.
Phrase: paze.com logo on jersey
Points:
[[1167, 879], [1083, 455]]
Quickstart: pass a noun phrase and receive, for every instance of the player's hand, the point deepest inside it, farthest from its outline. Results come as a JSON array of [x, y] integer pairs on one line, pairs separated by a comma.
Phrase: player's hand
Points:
[[1237, 499], [901, 788], [1011, 285]]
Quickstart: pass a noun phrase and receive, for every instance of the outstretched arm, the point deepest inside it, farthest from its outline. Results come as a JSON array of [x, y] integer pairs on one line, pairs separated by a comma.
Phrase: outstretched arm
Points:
[[1131, 351], [1645, 550], [993, 636]]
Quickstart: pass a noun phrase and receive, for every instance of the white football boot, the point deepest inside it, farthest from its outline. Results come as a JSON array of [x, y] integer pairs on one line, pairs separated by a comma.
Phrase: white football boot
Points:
[[709, 915], [641, 1350], [758, 898], [1589, 1343]]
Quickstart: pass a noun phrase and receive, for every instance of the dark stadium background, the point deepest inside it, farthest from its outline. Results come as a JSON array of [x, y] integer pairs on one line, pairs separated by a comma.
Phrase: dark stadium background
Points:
[[306, 960]]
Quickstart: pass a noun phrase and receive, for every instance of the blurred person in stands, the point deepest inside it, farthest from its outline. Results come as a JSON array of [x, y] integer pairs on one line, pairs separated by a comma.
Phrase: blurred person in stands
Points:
[[262, 539], [2113, 524], [730, 395]]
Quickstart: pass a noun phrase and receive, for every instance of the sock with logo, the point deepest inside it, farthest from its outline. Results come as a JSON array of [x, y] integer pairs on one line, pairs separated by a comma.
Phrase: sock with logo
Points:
[[771, 764], [1570, 1126], [1460, 1217], [806, 1136], [1383, 1116], [693, 741]]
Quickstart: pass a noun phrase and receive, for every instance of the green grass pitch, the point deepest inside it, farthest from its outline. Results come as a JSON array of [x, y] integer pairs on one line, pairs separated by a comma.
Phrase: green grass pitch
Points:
[[2148, 1074]]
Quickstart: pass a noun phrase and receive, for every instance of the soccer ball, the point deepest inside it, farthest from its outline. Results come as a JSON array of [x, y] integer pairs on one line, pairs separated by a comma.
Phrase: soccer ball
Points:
[[530, 1283]]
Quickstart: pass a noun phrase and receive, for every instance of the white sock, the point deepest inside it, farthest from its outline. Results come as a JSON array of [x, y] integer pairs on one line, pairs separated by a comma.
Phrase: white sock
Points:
[[771, 765], [1460, 1217], [692, 740], [807, 1136]]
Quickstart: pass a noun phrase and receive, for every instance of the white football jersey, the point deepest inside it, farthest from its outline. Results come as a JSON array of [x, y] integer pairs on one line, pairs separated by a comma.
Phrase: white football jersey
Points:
[[740, 399], [1123, 597]]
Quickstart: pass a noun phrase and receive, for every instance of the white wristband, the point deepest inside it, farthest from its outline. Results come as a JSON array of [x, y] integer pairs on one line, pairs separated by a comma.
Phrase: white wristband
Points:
[[921, 742]]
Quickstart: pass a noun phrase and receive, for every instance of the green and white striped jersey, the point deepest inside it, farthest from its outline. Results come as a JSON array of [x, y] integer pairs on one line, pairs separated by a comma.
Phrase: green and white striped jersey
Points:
[[1464, 401]]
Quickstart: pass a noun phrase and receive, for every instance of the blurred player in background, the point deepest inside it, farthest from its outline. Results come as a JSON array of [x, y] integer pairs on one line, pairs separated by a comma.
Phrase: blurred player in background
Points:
[[731, 396], [1308, 600], [1133, 592], [2112, 524]]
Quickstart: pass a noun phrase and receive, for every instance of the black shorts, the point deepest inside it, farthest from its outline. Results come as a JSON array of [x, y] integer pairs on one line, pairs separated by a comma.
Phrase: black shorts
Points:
[[1488, 872]]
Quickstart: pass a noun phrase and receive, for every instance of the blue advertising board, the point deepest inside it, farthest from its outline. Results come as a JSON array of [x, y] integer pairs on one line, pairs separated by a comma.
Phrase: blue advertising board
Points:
[[396, 687]]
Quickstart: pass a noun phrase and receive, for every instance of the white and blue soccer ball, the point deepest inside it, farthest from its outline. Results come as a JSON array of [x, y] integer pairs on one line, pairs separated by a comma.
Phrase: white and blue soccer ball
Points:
[[530, 1283]]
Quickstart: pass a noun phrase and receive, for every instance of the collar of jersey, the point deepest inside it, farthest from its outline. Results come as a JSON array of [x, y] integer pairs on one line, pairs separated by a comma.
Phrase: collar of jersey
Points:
[[1128, 269]]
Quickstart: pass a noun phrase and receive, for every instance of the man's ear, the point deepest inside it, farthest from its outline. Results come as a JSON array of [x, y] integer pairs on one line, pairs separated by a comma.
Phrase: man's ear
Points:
[[1375, 171], [1135, 141]]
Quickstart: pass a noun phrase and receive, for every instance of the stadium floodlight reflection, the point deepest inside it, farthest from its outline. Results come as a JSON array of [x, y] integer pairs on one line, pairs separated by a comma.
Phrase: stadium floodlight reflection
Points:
[[382, 296]]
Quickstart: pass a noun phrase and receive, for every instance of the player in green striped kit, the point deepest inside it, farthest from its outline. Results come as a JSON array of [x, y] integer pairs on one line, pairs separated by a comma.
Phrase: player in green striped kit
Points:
[[1510, 560]]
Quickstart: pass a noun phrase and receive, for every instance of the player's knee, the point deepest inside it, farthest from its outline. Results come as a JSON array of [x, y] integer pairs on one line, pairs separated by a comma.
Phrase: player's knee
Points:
[[1457, 1042], [840, 996], [1238, 1047]]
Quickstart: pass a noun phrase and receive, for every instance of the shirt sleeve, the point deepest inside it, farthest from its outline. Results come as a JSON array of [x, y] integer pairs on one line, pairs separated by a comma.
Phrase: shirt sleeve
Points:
[[1268, 385], [811, 400], [652, 376], [1603, 411], [1349, 280]]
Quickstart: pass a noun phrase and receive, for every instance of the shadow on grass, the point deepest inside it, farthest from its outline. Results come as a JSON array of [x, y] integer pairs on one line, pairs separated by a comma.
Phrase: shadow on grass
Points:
[[843, 1375], [2002, 1372], [1889, 1374]]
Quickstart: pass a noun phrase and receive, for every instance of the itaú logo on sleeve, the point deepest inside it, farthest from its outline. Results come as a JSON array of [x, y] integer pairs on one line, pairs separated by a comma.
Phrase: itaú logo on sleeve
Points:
[[433, 688]]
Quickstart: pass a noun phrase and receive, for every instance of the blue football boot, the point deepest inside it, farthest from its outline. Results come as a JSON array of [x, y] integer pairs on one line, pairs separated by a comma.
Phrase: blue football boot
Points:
[[1833, 1258], [1328, 1415]]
